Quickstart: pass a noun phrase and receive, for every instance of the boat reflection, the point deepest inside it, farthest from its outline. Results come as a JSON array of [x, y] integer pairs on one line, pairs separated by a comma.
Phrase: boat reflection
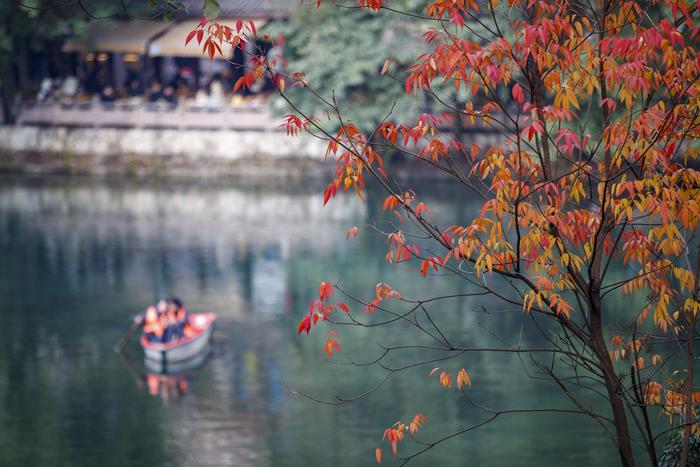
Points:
[[164, 380], [167, 387]]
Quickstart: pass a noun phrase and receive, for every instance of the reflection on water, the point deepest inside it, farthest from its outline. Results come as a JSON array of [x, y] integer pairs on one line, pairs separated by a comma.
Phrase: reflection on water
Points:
[[80, 258], [165, 380]]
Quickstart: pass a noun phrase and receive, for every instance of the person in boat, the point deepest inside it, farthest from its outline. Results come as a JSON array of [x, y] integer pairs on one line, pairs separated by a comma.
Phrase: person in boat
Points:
[[164, 321], [176, 319], [152, 323]]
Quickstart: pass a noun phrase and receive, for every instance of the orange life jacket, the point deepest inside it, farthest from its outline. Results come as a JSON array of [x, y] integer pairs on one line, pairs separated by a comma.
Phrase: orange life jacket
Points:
[[153, 323]]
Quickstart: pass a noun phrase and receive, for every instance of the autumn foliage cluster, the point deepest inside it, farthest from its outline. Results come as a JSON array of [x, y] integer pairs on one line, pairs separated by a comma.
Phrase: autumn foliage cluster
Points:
[[592, 193]]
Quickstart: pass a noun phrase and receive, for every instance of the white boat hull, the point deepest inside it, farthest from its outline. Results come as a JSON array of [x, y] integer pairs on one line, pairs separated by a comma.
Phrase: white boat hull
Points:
[[172, 368]]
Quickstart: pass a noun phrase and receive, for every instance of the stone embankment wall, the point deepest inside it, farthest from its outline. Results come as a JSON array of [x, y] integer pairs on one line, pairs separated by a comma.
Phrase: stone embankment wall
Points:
[[95, 150], [262, 152], [226, 144]]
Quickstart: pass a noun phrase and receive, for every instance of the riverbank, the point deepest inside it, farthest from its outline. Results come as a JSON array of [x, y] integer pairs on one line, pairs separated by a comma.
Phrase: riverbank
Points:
[[259, 153], [158, 152], [161, 166]]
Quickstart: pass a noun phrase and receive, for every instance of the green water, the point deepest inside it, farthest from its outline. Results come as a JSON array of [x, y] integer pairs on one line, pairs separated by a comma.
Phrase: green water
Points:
[[78, 258]]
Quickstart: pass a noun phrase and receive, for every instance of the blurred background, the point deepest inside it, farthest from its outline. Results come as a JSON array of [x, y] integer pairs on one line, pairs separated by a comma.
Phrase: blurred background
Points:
[[98, 52], [112, 86], [129, 170]]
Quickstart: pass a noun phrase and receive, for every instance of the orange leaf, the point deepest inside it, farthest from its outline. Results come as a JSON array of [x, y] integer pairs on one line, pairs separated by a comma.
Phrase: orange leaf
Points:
[[378, 455], [331, 345], [445, 379], [239, 83], [385, 68], [352, 232], [418, 420], [463, 378]]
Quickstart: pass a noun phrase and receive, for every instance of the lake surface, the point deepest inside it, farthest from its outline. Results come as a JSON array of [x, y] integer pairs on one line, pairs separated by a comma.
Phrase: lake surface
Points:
[[79, 258]]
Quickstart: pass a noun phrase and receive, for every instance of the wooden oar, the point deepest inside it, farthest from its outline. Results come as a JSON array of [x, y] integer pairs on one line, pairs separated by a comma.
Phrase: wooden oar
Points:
[[139, 378], [125, 338]]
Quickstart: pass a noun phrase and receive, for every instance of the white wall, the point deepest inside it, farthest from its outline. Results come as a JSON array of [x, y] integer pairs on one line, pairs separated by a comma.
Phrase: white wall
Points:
[[224, 144]]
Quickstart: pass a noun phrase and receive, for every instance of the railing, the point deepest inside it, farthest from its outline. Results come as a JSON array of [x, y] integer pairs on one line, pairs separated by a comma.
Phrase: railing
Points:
[[148, 115]]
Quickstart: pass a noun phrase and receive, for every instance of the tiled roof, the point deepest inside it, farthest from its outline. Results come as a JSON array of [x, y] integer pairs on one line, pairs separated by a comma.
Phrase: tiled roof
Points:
[[244, 9]]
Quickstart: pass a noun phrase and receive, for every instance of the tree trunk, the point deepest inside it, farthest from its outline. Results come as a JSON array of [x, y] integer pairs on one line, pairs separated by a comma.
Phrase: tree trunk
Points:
[[690, 376], [23, 68], [7, 91], [612, 384]]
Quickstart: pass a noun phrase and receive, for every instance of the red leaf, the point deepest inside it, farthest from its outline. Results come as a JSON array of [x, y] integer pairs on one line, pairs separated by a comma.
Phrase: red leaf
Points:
[[331, 345], [315, 304], [325, 290], [190, 36], [304, 325], [211, 51], [518, 94], [424, 266]]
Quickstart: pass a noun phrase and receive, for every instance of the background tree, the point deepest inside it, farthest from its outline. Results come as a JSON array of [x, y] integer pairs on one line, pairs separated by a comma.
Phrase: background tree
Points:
[[41, 25], [25, 28], [590, 200], [342, 52]]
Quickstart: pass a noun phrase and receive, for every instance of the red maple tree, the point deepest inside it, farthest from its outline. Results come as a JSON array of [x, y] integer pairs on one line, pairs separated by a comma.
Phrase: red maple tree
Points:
[[597, 105]]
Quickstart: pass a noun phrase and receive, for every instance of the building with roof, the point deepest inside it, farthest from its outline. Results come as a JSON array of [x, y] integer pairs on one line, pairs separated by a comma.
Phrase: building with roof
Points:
[[117, 52], [127, 63]]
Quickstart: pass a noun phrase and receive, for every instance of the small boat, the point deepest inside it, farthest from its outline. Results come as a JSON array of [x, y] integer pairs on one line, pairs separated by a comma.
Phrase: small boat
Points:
[[184, 348]]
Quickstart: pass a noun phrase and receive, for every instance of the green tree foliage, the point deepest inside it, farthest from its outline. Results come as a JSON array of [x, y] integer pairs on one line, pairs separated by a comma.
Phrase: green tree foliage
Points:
[[343, 56], [23, 28], [34, 25]]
